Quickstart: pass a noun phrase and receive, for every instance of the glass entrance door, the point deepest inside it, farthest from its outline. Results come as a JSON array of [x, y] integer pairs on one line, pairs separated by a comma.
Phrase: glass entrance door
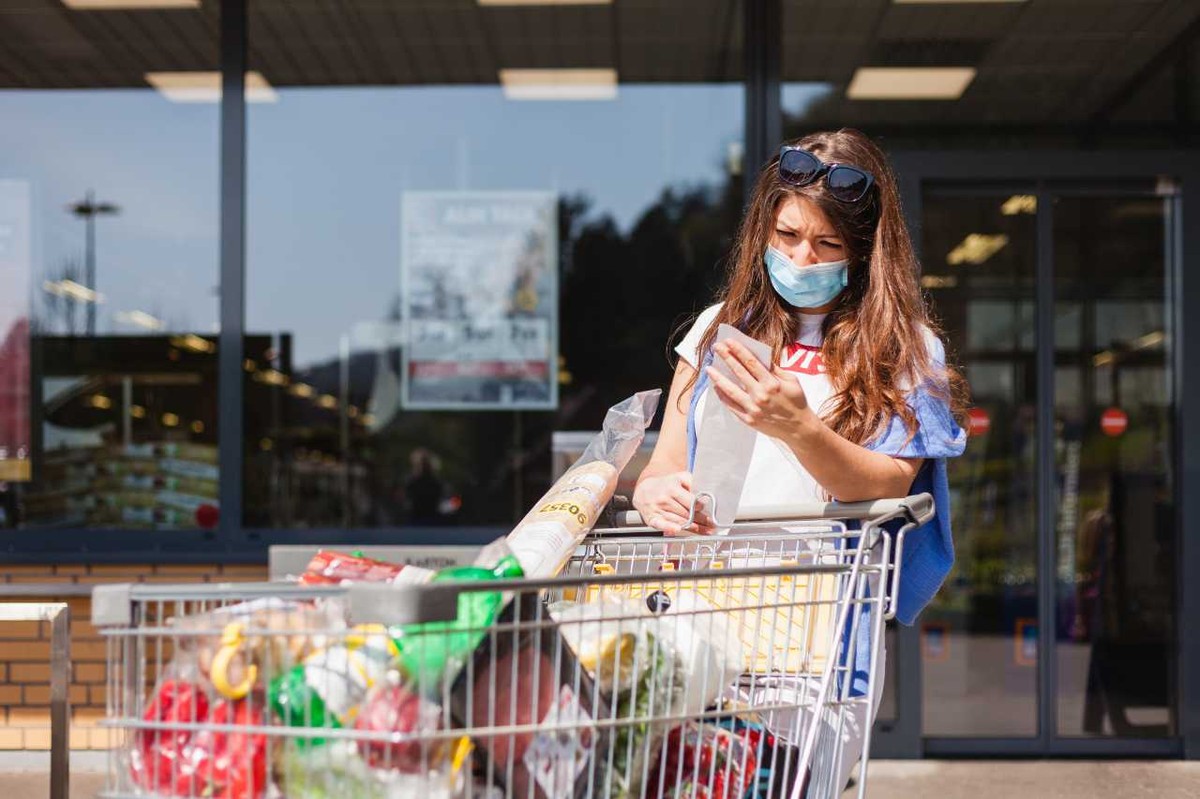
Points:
[[1056, 299], [1115, 537]]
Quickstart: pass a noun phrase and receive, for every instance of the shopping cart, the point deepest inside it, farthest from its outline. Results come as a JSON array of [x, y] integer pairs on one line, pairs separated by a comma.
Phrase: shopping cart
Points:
[[724, 667]]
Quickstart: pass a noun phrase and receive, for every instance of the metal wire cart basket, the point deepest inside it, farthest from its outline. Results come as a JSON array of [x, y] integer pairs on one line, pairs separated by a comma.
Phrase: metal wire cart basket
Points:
[[727, 666]]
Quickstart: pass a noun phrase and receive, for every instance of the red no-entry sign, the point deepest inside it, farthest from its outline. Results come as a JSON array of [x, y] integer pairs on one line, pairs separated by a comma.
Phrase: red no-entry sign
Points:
[[1114, 422], [978, 422]]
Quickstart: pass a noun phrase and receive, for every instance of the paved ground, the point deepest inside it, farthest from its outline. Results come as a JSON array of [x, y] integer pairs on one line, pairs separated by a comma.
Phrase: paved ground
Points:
[[890, 779], [1024, 779]]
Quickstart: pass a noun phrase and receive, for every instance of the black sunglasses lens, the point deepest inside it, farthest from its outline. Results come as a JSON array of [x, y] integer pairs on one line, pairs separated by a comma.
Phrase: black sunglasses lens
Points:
[[847, 183], [799, 167]]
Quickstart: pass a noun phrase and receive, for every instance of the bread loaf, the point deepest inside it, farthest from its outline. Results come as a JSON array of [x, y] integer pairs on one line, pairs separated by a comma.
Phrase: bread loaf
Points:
[[546, 537]]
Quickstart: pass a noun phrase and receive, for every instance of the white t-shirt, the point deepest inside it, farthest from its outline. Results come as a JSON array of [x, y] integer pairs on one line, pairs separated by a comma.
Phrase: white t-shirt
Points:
[[775, 475]]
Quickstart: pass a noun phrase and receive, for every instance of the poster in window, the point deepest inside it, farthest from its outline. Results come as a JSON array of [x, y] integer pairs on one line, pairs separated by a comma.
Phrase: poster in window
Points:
[[480, 311], [15, 271]]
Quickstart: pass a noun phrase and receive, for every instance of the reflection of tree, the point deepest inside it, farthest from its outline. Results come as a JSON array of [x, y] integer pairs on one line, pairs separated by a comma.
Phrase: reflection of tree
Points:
[[59, 308], [623, 296]]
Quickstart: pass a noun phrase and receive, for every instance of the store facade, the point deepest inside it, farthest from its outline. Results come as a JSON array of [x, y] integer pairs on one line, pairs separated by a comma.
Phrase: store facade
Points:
[[229, 298]]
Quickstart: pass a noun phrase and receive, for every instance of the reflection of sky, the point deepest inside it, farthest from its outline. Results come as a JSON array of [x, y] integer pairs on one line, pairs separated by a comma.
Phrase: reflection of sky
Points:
[[156, 160], [795, 99], [14, 253], [327, 168]]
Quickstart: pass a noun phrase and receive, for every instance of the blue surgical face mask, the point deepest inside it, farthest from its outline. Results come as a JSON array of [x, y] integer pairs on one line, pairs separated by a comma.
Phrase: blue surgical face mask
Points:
[[805, 286]]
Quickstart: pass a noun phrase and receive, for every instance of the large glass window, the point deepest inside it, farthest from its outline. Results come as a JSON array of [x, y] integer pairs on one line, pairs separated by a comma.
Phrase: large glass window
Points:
[[470, 226], [108, 262]]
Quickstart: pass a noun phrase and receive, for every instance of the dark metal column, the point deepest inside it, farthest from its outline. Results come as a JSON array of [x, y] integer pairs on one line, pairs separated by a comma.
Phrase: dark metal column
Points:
[[764, 124], [1046, 489], [1186, 365], [904, 740], [233, 267]]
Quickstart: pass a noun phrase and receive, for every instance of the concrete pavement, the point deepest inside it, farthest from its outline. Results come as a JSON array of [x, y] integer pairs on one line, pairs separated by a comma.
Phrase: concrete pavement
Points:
[[1036, 779], [889, 779]]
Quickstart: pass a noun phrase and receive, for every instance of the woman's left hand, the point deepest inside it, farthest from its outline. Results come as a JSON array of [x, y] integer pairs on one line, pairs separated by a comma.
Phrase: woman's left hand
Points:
[[769, 400]]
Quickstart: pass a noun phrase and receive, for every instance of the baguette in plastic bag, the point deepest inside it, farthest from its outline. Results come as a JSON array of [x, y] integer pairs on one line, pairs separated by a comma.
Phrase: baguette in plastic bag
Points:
[[544, 540]]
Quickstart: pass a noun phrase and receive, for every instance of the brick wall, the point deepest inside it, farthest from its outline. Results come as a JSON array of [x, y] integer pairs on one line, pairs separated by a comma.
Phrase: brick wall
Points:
[[25, 649]]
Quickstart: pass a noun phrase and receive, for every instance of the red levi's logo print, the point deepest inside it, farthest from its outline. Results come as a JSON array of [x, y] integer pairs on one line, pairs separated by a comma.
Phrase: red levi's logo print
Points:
[[803, 359]]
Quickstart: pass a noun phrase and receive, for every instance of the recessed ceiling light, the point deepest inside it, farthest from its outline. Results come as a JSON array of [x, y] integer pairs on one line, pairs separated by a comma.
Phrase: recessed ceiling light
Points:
[[545, 2], [128, 5], [938, 281], [75, 291], [559, 84], [910, 83], [205, 87], [1019, 204], [140, 319], [1149, 340], [976, 248]]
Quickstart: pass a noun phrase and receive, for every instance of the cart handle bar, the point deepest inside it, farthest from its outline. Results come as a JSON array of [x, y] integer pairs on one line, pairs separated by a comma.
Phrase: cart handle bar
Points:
[[918, 509]]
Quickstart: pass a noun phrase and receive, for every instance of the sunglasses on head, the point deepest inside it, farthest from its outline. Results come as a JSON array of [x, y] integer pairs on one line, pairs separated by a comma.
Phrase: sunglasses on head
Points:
[[849, 184]]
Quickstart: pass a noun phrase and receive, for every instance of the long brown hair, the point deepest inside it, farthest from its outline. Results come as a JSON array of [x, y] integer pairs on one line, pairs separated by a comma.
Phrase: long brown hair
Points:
[[875, 345]]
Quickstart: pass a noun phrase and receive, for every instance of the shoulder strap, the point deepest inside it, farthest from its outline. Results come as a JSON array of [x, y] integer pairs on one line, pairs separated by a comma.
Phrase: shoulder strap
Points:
[[697, 390]]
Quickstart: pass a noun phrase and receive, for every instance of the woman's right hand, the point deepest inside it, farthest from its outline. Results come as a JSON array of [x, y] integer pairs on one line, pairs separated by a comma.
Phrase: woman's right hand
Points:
[[664, 502]]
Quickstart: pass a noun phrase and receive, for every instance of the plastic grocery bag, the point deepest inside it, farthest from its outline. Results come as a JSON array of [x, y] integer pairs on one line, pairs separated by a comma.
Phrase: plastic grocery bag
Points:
[[610, 639], [724, 445], [652, 667]]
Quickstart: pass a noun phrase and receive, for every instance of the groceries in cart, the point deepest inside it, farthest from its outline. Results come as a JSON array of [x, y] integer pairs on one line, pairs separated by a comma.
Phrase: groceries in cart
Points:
[[288, 694], [305, 684], [651, 668], [648, 666], [328, 567], [205, 746]]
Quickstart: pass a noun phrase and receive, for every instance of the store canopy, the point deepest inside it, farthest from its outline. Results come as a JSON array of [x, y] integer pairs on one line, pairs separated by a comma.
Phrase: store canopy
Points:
[[1032, 63]]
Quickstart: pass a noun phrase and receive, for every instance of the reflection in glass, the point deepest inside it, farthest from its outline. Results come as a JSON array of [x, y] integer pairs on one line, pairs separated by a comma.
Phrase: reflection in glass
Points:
[[888, 714], [1116, 532], [409, 355], [978, 638], [109, 238]]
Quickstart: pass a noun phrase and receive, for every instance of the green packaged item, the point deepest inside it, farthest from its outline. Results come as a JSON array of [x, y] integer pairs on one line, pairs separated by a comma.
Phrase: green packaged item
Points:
[[432, 649], [297, 704], [331, 772]]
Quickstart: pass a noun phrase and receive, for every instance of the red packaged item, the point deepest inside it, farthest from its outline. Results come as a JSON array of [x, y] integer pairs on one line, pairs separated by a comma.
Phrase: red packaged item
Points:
[[157, 762], [703, 761], [199, 762], [328, 567], [231, 765], [528, 677], [393, 708]]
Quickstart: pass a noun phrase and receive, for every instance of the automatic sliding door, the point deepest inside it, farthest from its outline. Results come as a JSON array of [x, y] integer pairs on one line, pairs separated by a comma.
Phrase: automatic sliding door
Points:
[[979, 638], [1116, 536]]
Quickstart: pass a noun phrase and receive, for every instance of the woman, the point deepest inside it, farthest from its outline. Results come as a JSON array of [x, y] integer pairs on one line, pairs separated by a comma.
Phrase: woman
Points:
[[859, 403]]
